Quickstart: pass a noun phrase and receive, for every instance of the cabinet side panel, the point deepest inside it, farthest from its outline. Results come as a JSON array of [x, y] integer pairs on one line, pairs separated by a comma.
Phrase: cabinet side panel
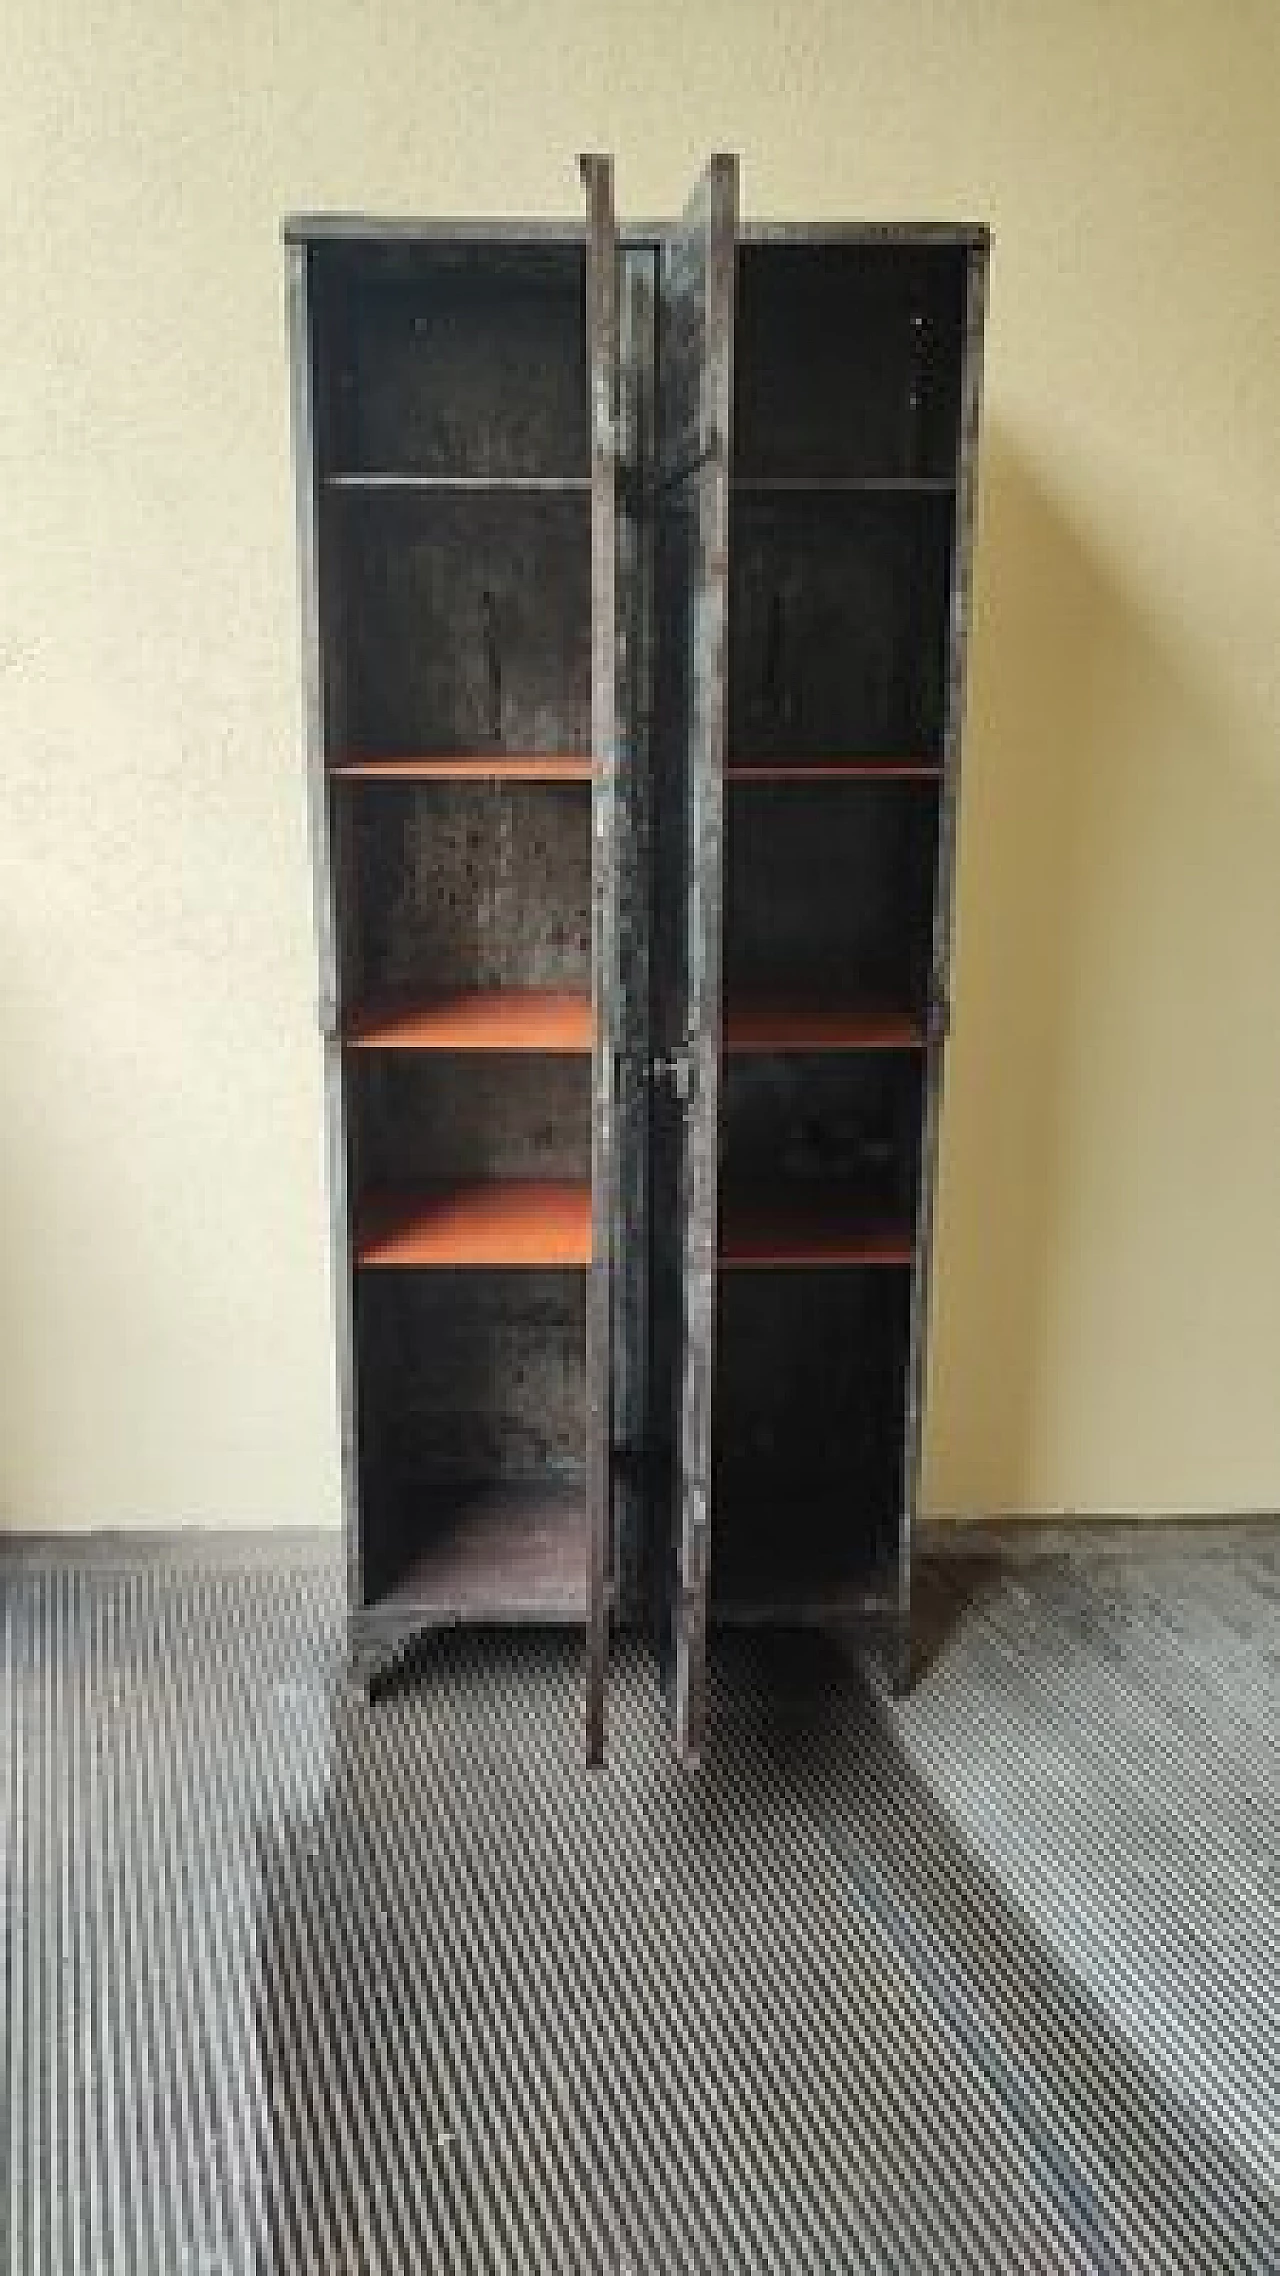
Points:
[[944, 891], [311, 572]]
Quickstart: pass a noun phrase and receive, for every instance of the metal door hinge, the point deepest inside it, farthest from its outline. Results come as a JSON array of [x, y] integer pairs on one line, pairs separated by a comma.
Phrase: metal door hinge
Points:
[[327, 1010]]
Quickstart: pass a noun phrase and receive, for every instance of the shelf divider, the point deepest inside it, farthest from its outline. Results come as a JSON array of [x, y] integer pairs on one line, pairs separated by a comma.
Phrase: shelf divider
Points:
[[480, 1019], [815, 1230], [834, 770], [484, 766], [391, 479], [845, 485], [787, 1025]]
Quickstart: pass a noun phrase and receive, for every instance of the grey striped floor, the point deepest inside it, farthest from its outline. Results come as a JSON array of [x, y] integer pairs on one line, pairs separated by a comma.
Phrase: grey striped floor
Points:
[[983, 1980]]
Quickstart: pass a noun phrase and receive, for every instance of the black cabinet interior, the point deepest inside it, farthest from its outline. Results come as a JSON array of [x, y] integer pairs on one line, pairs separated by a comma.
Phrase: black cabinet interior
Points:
[[838, 625], [460, 361], [846, 479], [468, 622], [449, 504], [847, 360]]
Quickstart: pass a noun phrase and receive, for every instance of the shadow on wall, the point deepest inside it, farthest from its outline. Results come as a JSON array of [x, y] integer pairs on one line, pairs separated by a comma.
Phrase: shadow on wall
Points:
[[1117, 852], [1047, 628]]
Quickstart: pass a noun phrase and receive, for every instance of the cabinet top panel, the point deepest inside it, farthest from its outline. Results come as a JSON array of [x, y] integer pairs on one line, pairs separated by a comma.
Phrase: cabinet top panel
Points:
[[376, 229]]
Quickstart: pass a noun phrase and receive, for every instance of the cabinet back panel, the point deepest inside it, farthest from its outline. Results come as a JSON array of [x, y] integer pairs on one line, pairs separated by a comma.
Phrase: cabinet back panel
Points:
[[472, 886], [421, 1119], [847, 360], [463, 361], [829, 892], [466, 623], [809, 1429], [838, 626], [463, 1376], [800, 1125]]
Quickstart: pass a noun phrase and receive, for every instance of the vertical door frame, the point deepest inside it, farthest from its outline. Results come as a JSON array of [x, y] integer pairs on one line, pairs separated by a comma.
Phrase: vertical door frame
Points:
[[975, 301], [632, 1297], [702, 457], [602, 384]]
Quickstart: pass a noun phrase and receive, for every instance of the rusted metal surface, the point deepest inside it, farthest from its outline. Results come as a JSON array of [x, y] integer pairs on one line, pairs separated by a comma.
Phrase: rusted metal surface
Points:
[[695, 362], [429, 1117], [471, 886], [463, 363], [633, 1473], [940, 982], [602, 384], [829, 892], [808, 1440], [466, 1377], [469, 622], [316, 703], [837, 623], [836, 375], [799, 1125], [501, 232], [500, 1551], [870, 236]]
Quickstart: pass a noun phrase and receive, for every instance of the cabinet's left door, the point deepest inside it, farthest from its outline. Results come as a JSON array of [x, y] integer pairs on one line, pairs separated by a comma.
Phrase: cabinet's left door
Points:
[[320, 694], [602, 425]]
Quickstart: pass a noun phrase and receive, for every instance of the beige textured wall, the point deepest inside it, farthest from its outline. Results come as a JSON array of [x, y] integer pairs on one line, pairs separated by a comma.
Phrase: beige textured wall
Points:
[[1108, 1326]]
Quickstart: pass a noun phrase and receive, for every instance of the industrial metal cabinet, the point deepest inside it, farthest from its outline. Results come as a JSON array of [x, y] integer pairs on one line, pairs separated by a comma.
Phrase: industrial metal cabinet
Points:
[[635, 579]]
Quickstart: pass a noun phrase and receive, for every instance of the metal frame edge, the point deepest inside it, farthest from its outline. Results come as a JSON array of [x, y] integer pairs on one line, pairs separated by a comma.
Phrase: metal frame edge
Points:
[[341, 1246], [943, 928]]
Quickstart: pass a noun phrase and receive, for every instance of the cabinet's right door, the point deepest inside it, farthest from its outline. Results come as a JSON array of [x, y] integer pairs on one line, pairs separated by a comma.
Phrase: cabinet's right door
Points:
[[691, 492]]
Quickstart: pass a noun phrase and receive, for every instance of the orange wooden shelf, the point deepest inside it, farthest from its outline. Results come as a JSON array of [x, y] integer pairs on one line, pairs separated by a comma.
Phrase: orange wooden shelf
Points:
[[496, 1221], [834, 770], [808, 1232], [788, 1026], [486, 1019], [496, 766]]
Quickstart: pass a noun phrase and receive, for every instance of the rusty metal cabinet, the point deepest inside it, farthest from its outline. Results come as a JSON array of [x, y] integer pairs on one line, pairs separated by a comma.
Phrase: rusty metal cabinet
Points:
[[634, 581]]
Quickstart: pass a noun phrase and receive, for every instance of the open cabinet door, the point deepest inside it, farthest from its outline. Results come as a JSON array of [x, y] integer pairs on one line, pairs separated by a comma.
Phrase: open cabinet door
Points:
[[602, 428], [695, 363]]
